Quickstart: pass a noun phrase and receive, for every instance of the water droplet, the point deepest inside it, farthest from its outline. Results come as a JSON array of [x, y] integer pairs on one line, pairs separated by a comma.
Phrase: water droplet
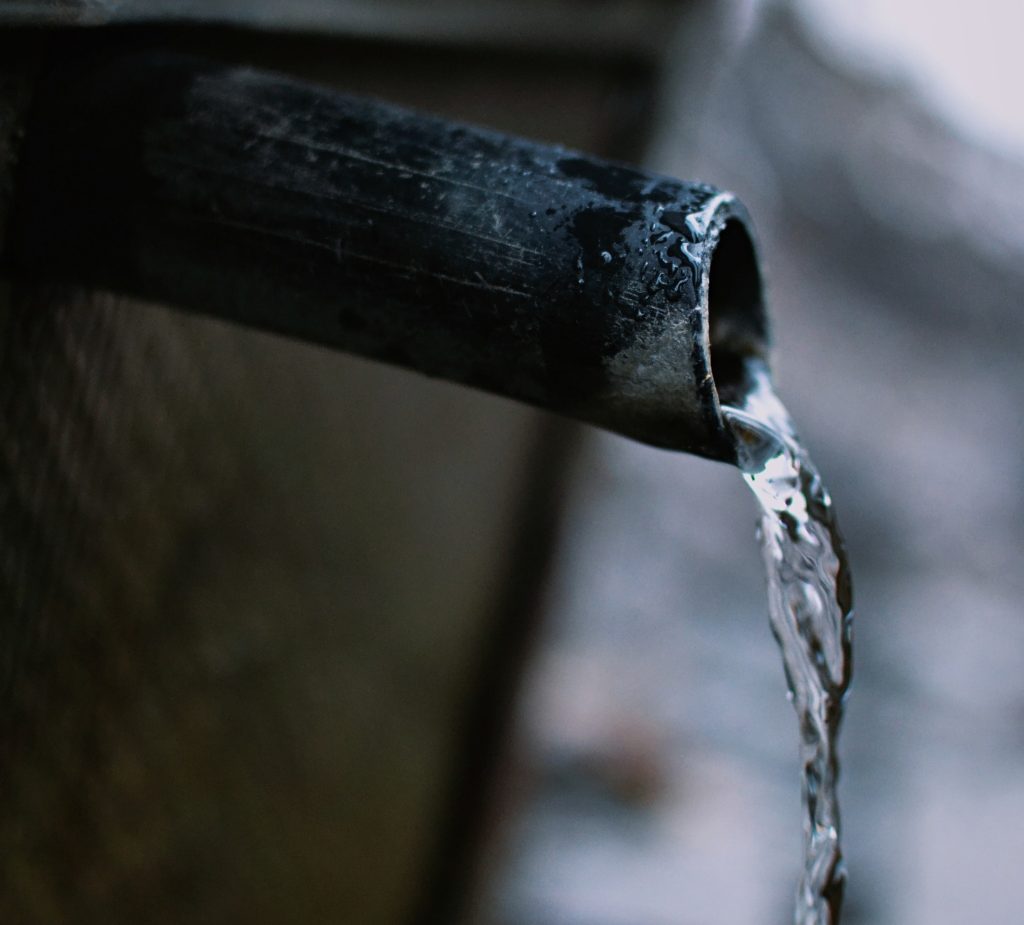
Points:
[[606, 257]]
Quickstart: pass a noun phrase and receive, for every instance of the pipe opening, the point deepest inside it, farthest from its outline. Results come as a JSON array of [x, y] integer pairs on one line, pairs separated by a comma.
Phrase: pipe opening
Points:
[[736, 318]]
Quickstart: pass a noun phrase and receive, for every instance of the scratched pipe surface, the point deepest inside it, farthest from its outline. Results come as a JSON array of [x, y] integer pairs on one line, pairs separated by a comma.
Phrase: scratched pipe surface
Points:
[[534, 272]]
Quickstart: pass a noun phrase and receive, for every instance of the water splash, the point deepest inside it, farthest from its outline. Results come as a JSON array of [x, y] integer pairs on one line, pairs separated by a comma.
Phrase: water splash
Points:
[[809, 603]]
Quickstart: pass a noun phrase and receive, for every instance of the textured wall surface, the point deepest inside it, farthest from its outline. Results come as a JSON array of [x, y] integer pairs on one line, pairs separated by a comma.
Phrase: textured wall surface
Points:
[[244, 588]]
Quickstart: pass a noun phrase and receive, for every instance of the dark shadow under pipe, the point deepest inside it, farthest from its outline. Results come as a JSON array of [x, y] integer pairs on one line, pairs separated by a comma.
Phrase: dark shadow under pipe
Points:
[[580, 286]]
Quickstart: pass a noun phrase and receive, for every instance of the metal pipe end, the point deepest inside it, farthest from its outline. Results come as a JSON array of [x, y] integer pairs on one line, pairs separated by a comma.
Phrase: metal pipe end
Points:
[[733, 302], [691, 355]]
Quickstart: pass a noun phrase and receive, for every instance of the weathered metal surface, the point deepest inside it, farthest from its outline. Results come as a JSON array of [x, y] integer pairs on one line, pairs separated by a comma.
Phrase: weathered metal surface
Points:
[[576, 285]]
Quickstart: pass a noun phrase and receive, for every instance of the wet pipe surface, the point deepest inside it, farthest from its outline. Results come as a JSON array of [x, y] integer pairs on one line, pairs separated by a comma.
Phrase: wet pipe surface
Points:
[[527, 270]]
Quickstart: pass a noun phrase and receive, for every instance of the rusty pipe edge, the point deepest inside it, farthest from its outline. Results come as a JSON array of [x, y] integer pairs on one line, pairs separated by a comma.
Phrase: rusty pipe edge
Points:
[[617, 297]]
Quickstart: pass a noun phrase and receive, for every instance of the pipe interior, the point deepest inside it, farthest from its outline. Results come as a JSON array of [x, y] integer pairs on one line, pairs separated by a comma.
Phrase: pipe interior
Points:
[[736, 317]]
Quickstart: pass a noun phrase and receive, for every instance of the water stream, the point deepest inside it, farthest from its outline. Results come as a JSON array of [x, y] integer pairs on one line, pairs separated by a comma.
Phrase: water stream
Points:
[[809, 603]]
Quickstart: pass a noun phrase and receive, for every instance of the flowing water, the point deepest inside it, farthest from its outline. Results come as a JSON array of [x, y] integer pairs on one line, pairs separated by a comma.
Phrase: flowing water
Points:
[[809, 603]]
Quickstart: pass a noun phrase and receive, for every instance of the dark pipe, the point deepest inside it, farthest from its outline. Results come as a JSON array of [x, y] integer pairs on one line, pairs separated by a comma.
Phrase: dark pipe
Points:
[[534, 272]]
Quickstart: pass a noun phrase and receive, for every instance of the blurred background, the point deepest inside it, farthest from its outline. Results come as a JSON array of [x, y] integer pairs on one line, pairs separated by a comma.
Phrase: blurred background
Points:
[[879, 148], [291, 637]]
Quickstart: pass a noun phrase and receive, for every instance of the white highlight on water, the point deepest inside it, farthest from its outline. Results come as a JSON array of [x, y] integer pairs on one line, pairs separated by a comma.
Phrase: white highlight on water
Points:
[[809, 604]]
